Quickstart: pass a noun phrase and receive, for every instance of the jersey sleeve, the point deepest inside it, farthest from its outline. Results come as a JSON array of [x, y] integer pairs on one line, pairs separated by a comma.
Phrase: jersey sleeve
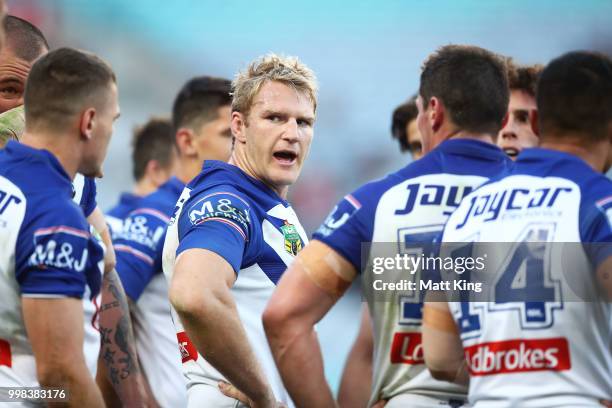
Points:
[[88, 198], [596, 230], [347, 226], [138, 247], [219, 221], [56, 256]]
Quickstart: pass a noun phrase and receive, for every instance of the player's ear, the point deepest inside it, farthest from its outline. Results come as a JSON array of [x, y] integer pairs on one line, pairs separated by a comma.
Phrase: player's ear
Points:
[[237, 126], [436, 113], [533, 119], [87, 123], [155, 172], [185, 142]]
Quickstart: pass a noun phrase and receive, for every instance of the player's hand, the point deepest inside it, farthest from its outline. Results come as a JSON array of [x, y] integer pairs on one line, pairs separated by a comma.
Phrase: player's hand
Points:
[[606, 403], [380, 404], [230, 391]]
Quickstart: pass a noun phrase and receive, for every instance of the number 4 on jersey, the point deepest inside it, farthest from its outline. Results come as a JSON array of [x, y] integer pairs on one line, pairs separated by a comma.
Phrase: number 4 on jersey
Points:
[[526, 285]]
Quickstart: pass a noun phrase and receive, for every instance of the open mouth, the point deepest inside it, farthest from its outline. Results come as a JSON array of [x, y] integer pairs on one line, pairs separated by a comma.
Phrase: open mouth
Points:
[[511, 151], [285, 157]]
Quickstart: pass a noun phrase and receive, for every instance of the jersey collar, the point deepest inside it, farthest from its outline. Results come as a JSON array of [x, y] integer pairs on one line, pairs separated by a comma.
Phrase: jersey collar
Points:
[[472, 148], [539, 155], [261, 186], [24, 152]]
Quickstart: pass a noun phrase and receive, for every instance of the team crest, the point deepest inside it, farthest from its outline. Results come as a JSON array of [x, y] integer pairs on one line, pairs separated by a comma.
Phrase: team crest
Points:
[[293, 242]]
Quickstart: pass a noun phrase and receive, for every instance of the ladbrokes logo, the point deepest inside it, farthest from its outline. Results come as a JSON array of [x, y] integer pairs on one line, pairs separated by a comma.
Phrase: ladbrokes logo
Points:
[[513, 356], [407, 349], [186, 347]]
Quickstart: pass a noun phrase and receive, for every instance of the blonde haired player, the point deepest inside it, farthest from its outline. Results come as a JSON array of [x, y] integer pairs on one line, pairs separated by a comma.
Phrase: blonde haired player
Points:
[[234, 234]]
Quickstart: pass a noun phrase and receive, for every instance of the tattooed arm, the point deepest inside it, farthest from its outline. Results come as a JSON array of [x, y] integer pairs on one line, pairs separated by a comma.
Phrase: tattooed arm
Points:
[[118, 349]]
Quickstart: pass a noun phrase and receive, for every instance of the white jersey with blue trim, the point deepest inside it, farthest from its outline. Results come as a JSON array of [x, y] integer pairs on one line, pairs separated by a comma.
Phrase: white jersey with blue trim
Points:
[[407, 209], [256, 232], [139, 246], [47, 250], [535, 344]]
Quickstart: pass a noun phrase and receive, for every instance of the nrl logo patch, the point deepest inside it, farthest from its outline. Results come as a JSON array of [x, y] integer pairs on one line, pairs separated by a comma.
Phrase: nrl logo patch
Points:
[[293, 242]]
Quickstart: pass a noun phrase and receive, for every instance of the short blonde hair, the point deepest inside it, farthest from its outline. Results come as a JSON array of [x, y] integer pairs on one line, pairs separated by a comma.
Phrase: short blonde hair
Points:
[[287, 70]]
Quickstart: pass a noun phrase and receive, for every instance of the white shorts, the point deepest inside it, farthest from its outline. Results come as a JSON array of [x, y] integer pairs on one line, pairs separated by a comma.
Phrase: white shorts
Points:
[[204, 395], [421, 401]]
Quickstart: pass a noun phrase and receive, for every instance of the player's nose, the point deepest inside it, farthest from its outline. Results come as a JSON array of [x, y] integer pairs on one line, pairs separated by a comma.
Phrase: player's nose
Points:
[[508, 134], [291, 132]]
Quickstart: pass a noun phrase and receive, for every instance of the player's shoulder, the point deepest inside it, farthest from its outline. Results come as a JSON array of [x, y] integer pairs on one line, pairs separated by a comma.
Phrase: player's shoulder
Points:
[[456, 157], [221, 180], [359, 206], [33, 171], [596, 198], [375, 188], [222, 192], [369, 193], [127, 202], [37, 179], [160, 203], [595, 187], [57, 213]]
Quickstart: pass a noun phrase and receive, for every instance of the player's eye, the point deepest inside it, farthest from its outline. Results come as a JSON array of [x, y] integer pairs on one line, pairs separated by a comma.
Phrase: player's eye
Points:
[[9, 91], [274, 118], [522, 116], [304, 122]]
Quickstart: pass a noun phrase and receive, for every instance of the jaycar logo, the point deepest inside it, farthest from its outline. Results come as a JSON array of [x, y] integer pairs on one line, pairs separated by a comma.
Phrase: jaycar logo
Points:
[[521, 355], [407, 349]]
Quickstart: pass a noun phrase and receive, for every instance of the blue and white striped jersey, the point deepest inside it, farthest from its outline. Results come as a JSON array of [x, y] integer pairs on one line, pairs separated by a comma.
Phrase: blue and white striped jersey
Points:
[[543, 336], [408, 209], [257, 232], [47, 251]]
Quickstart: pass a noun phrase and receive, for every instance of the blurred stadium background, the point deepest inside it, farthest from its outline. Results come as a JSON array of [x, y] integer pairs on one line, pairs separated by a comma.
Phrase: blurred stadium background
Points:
[[367, 57]]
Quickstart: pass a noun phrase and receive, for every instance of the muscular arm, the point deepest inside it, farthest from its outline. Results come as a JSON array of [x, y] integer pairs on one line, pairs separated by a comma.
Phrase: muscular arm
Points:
[[118, 357], [356, 383], [309, 288], [55, 330], [442, 345], [200, 293]]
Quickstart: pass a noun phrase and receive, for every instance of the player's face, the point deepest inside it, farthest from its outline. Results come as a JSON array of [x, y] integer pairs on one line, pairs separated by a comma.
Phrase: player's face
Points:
[[414, 140], [277, 134], [213, 140], [13, 74], [518, 134], [101, 133]]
